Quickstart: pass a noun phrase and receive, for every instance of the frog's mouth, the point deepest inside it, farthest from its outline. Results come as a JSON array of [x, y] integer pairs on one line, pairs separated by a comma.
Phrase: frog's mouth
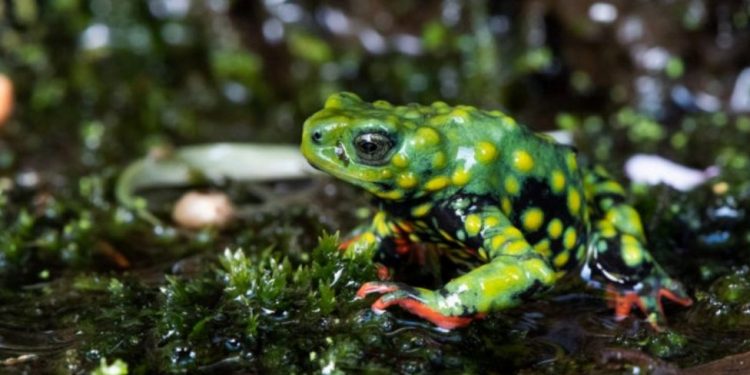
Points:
[[334, 160], [341, 153]]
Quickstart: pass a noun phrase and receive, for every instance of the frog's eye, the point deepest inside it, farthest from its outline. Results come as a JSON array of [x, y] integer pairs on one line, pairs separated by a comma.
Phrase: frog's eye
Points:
[[372, 148]]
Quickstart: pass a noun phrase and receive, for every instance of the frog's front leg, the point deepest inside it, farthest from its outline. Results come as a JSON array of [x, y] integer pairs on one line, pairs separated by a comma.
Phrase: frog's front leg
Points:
[[393, 241], [618, 260], [513, 271]]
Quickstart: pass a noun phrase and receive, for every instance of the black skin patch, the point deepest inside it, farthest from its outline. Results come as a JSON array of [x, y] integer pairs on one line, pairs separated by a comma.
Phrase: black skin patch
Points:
[[529, 293], [400, 209], [387, 254], [610, 262], [451, 214], [384, 186], [537, 193]]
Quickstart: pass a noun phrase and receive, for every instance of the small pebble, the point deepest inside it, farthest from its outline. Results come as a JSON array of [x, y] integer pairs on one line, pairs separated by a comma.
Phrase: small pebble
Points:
[[197, 210], [6, 98]]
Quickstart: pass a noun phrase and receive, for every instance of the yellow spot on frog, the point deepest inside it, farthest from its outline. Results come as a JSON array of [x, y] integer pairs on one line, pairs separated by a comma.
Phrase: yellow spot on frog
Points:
[[368, 238], [497, 241], [483, 254], [511, 185], [540, 270], [439, 104], [412, 114], [439, 120], [400, 160], [509, 279], [554, 229], [382, 104], [333, 101], [392, 119], [516, 248], [438, 160], [558, 181], [543, 248], [426, 137], [460, 177], [532, 219], [571, 161], [508, 120], [393, 194], [437, 183], [574, 202], [562, 258], [507, 207], [569, 238], [421, 210], [606, 229], [473, 224], [523, 161], [380, 223], [460, 116], [491, 221], [512, 232], [485, 152], [406, 180], [631, 251]]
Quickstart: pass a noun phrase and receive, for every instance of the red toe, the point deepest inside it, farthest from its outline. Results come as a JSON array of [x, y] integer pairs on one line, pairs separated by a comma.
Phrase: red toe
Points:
[[375, 287], [443, 321], [684, 301]]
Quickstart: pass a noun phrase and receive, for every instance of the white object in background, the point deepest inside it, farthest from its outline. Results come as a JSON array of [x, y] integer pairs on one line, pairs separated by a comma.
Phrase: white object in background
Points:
[[654, 170], [200, 210], [740, 100], [561, 136]]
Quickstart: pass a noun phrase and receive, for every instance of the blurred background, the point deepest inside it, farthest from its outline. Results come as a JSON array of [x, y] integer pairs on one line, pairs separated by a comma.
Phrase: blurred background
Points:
[[101, 81]]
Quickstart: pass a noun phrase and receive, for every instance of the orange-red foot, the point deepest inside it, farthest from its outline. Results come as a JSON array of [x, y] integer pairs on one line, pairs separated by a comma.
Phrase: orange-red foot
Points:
[[415, 301], [649, 304], [345, 245]]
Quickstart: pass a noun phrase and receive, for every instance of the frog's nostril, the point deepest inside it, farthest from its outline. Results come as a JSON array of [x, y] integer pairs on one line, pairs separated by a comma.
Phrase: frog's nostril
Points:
[[317, 136]]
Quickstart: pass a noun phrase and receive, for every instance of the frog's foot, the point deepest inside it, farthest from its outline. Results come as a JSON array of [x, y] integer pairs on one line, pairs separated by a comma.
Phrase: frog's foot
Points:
[[420, 302], [348, 242], [647, 296]]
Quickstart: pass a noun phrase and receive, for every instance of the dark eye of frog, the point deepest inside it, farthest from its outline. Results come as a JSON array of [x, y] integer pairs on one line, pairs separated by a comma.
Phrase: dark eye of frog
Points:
[[372, 148]]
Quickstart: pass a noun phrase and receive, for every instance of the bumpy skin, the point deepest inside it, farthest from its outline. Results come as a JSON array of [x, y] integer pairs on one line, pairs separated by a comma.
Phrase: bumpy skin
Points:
[[509, 205]]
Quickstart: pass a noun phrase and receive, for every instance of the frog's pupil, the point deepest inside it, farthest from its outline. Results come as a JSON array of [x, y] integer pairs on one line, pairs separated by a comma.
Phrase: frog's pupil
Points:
[[317, 136], [369, 147]]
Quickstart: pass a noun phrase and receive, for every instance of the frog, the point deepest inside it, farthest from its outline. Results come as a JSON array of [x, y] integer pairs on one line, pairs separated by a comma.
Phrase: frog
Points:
[[512, 208]]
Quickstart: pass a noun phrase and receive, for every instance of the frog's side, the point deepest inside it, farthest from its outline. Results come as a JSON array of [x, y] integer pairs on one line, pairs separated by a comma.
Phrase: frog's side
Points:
[[511, 204]]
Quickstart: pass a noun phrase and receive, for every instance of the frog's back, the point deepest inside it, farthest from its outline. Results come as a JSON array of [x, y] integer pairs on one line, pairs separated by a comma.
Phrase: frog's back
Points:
[[535, 181]]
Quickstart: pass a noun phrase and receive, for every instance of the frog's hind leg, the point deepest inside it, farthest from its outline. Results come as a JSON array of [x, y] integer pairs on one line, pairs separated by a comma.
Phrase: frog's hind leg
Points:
[[618, 259]]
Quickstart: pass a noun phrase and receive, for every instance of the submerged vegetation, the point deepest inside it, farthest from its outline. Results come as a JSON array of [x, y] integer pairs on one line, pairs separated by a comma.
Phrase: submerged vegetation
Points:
[[87, 285]]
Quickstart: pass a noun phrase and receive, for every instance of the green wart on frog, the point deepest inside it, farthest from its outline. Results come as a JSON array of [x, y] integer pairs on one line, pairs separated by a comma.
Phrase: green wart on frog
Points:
[[510, 206]]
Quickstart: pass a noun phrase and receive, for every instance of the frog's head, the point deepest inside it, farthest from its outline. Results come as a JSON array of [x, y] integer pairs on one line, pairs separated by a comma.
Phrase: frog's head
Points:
[[387, 150]]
